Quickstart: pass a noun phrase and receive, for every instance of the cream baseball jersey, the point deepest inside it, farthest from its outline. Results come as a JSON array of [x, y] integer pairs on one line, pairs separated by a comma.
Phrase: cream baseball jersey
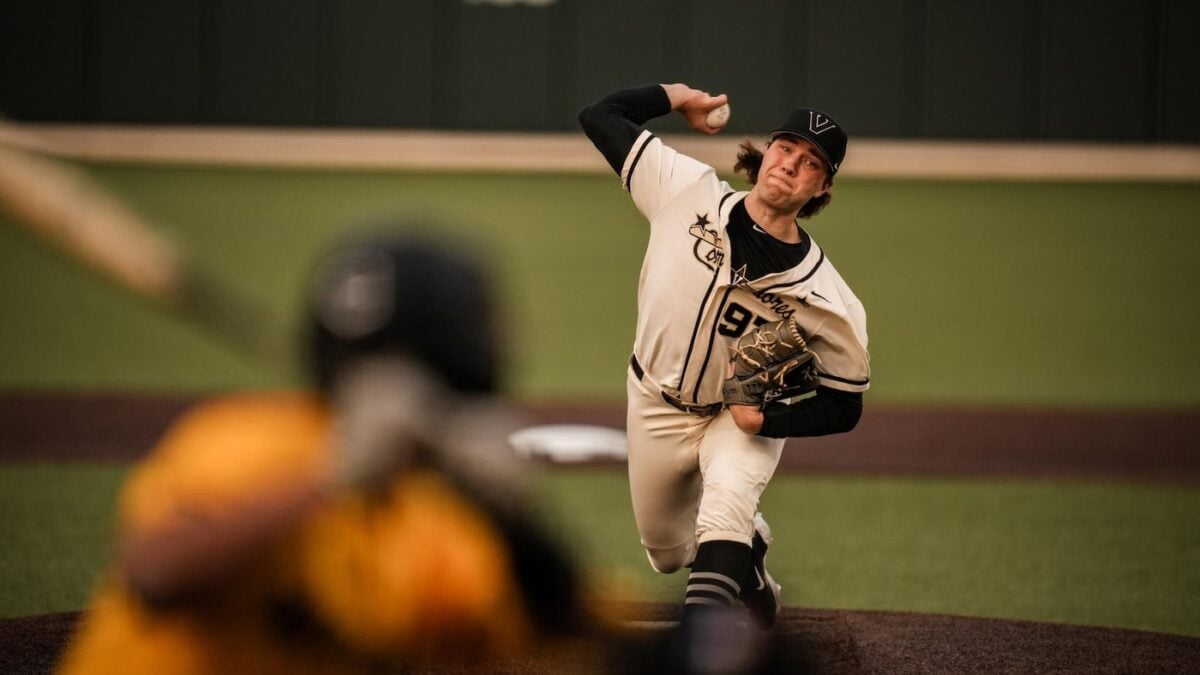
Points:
[[692, 303]]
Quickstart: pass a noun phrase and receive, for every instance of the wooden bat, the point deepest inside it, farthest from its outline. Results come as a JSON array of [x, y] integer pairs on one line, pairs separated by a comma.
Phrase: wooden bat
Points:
[[77, 215]]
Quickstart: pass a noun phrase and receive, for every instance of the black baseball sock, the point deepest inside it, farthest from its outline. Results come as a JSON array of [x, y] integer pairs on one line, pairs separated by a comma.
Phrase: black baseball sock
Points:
[[717, 576]]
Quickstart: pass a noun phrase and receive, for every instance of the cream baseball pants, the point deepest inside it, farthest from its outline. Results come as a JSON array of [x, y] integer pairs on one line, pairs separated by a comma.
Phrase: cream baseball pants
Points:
[[692, 478]]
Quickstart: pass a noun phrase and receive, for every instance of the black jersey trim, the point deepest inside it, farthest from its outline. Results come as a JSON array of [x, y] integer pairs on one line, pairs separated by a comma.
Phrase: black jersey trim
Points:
[[712, 341], [700, 315], [844, 380], [816, 267], [633, 165], [773, 287], [638, 371], [696, 329], [721, 204]]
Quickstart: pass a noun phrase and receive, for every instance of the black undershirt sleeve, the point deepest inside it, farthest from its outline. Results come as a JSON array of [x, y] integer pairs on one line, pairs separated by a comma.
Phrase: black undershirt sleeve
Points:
[[614, 122], [830, 411]]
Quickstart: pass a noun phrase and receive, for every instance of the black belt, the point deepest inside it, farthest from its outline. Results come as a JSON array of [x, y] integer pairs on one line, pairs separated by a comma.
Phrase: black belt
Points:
[[691, 408]]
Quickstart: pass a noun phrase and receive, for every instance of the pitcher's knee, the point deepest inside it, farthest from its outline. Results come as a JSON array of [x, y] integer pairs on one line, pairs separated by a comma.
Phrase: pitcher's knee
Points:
[[726, 514], [668, 560]]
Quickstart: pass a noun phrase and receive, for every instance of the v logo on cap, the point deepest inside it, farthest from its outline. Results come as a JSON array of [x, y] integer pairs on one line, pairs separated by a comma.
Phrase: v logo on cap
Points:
[[818, 123]]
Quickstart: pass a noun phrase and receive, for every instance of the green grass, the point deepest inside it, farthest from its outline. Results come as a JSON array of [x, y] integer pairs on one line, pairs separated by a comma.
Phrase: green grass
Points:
[[1078, 553], [1097, 554], [1108, 555], [56, 528], [983, 293], [990, 293]]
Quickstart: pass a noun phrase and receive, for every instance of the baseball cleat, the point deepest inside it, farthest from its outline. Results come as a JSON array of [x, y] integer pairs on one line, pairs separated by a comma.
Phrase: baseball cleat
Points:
[[761, 595]]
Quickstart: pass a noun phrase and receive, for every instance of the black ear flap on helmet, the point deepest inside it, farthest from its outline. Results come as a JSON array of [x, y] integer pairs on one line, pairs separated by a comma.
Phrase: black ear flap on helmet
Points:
[[404, 294]]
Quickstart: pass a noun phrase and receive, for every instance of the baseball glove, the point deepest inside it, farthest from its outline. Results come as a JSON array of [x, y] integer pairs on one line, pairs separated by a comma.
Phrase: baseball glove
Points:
[[772, 361]]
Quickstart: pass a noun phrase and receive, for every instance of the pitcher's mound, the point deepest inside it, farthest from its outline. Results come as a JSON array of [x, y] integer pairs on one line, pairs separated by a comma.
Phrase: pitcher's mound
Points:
[[804, 641]]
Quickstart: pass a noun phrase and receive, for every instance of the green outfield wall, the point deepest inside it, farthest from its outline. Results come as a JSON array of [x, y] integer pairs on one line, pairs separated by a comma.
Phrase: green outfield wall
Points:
[[1011, 293], [1111, 70]]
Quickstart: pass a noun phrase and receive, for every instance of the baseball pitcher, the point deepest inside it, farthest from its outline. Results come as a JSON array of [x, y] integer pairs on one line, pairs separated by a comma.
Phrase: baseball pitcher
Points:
[[746, 335]]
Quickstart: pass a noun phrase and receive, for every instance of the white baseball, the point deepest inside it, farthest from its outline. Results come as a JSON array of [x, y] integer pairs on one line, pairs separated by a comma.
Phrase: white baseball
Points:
[[719, 117]]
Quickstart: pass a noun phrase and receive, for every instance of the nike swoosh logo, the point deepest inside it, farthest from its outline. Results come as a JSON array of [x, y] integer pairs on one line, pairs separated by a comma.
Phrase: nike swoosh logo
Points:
[[761, 581]]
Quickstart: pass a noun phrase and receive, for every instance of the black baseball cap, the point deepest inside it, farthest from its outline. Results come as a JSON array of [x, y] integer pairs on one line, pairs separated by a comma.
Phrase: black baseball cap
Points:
[[814, 126]]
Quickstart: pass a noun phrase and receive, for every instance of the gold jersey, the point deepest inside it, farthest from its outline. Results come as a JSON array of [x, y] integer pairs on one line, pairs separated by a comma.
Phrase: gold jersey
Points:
[[412, 574]]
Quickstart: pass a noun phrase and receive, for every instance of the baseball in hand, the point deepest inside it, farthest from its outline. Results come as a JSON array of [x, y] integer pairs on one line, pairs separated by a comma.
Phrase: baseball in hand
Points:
[[719, 117]]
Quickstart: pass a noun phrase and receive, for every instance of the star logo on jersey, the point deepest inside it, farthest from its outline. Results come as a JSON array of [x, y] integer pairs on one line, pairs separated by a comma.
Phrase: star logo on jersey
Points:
[[739, 277], [699, 231], [708, 243]]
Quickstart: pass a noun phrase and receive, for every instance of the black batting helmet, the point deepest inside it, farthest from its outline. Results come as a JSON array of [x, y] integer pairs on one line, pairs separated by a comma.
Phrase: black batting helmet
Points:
[[406, 294]]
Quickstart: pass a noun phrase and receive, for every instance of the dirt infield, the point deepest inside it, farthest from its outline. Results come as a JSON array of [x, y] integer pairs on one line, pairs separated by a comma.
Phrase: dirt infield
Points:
[[1120, 446], [1155, 446], [805, 641]]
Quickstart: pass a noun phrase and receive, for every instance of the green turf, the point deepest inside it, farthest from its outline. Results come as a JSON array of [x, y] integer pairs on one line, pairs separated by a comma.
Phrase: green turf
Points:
[[1098, 554], [1076, 553], [994, 293], [1005, 293], [56, 528]]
